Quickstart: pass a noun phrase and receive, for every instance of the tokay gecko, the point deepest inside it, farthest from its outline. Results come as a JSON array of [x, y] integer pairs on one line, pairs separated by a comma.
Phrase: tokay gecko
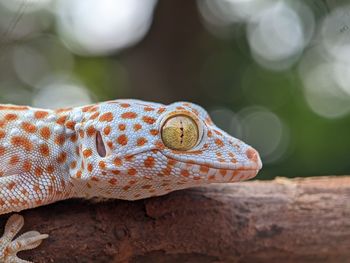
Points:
[[125, 149]]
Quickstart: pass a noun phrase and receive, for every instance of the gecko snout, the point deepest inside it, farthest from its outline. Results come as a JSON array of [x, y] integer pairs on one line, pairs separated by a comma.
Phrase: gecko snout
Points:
[[254, 157]]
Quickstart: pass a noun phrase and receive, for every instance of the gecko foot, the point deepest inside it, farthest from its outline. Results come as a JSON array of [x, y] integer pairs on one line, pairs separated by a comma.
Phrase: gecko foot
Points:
[[9, 247]]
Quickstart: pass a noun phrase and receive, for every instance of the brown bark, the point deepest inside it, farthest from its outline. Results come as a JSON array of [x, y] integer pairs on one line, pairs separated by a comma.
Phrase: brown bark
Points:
[[300, 220]]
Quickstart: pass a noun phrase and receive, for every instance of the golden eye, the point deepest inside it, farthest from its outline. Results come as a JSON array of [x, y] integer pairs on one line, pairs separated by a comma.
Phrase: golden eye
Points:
[[180, 132]]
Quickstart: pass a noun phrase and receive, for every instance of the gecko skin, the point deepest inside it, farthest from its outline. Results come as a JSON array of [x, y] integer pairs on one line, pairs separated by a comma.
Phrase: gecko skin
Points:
[[125, 149]]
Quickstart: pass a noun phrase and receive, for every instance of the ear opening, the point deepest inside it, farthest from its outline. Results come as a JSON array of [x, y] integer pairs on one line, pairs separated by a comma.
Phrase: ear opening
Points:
[[100, 145]]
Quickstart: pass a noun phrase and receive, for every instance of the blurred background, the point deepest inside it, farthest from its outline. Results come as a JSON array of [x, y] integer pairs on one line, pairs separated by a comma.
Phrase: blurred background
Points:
[[273, 73]]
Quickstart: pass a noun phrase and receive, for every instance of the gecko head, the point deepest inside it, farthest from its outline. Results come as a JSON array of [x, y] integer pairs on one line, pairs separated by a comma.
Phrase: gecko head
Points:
[[140, 149]]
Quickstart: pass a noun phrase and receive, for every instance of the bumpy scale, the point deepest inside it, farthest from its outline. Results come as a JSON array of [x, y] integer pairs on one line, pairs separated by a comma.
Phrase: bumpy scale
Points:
[[125, 149]]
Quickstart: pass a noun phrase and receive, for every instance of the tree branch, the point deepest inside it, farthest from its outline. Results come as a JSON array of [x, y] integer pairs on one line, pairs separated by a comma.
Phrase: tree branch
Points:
[[300, 220]]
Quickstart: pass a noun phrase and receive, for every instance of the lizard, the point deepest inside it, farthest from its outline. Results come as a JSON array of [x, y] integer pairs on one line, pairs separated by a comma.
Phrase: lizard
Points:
[[123, 149]]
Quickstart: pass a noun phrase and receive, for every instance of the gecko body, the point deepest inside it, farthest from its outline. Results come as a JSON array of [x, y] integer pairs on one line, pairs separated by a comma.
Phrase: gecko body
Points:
[[124, 149]]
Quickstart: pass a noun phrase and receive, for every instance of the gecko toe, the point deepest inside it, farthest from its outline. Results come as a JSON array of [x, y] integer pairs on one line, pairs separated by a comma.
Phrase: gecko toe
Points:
[[9, 247]]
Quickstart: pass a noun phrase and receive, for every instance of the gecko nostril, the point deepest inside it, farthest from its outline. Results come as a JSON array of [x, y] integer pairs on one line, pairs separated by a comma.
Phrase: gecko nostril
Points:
[[100, 146]]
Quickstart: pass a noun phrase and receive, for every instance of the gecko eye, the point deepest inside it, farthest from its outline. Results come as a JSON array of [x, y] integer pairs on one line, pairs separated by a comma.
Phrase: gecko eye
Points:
[[180, 132], [100, 146]]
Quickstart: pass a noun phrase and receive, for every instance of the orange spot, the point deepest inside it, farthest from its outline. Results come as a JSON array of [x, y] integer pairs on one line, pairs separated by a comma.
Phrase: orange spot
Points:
[[87, 153], [102, 165], [209, 133], [110, 144], [60, 139], [222, 172], [124, 105], [74, 137], [78, 174], [137, 127], [45, 133], [154, 132], [70, 125], [38, 171], [122, 140], [81, 133], [50, 169], [94, 116], [27, 166], [141, 141], [113, 181], [22, 142], [14, 160], [185, 173], [61, 120], [40, 114], [204, 169], [87, 108], [149, 162], [10, 117], [90, 131], [233, 160], [129, 158], [2, 150], [11, 185], [122, 127], [129, 115], [148, 109], [219, 142], [63, 109], [28, 127], [172, 162], [132, 171], [115, 172], [44, 150], [94, 178], [218, 133], [107, 130], [159, 145], [147, 186], [108, 117], [167, 171], [2, 134], [118, 162], [160, 110], [62, 157], [90, 167], [148, 120]]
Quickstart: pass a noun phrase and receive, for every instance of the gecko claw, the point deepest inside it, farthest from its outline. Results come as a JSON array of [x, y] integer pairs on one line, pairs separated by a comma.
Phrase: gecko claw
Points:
[[9, 247]]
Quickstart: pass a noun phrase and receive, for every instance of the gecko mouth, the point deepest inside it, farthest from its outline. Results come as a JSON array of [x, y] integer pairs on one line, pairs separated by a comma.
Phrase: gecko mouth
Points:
[[227, 166]]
